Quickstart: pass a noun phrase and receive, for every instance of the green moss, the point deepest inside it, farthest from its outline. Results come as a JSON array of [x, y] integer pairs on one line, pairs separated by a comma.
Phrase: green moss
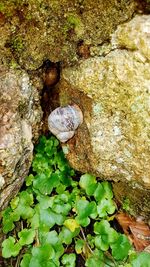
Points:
[[74, 22], [17, 44], [2, 8], [6, 10], [8, 7], [13, 64], [29, 16], [126, 204]]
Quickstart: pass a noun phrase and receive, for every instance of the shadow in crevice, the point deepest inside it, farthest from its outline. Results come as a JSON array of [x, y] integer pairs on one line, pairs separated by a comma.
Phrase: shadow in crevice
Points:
[[49, 95]]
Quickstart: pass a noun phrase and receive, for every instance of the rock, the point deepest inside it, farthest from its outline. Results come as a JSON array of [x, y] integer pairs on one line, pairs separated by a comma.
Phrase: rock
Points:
[[134, 35], [20, 116], [35, 31], [114, 93]]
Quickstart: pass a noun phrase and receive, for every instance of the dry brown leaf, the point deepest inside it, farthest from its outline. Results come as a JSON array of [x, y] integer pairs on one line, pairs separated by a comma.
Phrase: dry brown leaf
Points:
[[137, 231]]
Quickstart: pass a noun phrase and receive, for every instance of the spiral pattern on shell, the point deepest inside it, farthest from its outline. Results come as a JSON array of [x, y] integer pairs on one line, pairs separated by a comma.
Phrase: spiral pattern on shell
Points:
[[63, 121]]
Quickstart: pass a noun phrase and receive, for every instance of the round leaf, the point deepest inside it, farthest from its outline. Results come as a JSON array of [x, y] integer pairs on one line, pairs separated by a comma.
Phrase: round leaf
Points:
[[100, 244], [106, 206], [9, 248], [68, 260], [121, 247], [26, 236], [71, 224], [26, 260], [141, 260], [88, 183], [79, 245]]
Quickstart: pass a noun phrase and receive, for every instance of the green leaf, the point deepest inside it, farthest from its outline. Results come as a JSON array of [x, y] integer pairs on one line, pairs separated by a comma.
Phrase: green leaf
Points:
[[66, 235], [51, 238], [49, 263], [43, 256], [71, 224], [90, 240], [34, 221], [44, 252], [59, 250], [45, 202], [26, 260], [103, 191], [29, 180], [106, 206], [108, 190], [9, 248], [42, 141], [41, 164], [101, 244], [85, 209], [141, 260], [60, 189], [14, 203], [79, 244], [8, 220], [26, 236], [106, 235], [121, 247], [49, 149], [25, 201], [95, 260], [50, 218], [9, 216], [62, 208], [43, 183], [88, 183], [99, 193], [69, 260]]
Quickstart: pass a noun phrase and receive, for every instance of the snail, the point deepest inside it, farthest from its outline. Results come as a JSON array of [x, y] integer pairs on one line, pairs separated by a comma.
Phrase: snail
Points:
[[63, 121]]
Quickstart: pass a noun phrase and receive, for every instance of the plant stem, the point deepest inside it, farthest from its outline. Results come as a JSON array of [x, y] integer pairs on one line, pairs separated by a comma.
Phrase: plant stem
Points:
[[37, 238], [84, 237]]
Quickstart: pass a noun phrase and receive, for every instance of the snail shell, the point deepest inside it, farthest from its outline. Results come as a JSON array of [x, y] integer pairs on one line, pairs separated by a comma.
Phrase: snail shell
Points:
[[63, 121]]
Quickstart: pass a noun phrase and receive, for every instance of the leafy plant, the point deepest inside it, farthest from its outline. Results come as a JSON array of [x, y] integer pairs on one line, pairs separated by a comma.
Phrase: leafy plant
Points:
[[141, 259], [10, 248], [57, 218]]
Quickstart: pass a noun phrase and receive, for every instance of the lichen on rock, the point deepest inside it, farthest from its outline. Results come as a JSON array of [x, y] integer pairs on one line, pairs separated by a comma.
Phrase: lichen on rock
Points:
[[19, 114], [36, 30], [117, 123], [135, 36]]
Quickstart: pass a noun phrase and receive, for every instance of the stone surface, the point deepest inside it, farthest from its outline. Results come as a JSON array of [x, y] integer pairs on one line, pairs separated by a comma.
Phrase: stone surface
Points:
[[113, 91], [33, 31], [20, 116], [135, 199], [134, 36]]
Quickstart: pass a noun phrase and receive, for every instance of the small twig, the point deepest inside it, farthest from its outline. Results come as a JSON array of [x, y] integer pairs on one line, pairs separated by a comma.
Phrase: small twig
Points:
[[110, 257], [11, 262], [84, 237], [18, 261], [21, 224], [37, 238]]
